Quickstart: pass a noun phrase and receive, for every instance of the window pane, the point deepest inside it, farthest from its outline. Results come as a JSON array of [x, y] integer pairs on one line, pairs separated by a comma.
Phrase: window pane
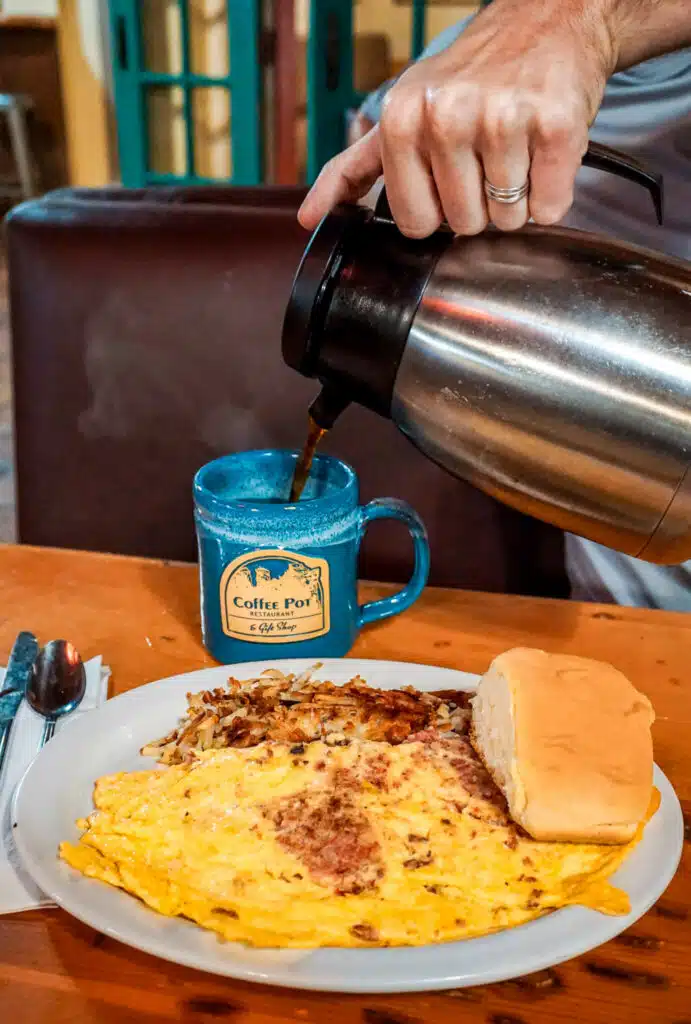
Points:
[[211, 113], [393, 19], [161, 36], [209, 43], [166, 130]]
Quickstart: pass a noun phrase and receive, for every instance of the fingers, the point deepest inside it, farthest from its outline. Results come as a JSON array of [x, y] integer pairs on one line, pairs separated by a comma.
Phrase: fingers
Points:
[[459, 181], [559, 143], [457, 170], [506, 160], [436, 148], [507, 145], [346, 178], [410, 186]]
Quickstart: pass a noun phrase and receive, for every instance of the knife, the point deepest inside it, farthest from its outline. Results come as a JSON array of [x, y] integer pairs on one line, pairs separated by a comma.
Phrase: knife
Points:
[[13, 689]]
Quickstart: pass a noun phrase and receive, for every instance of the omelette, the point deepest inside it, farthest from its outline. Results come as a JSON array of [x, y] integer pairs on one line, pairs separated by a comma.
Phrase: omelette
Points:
[[362, 844]]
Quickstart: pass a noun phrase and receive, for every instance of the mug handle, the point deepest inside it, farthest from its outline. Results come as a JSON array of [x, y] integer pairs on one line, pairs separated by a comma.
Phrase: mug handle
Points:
[[385, 607]]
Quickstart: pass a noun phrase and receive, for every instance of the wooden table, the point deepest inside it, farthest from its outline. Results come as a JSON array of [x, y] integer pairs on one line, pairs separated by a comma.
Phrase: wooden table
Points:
[[143, 618]]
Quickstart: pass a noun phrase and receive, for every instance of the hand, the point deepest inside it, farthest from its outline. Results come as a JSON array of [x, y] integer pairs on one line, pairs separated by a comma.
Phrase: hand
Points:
[[358, 128], [511, 99]]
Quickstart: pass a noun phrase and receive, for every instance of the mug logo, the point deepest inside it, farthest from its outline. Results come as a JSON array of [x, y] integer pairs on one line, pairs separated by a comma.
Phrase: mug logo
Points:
[[275, 597]]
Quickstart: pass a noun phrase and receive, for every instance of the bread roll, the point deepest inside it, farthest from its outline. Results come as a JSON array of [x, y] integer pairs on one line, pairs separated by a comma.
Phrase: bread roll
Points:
[[568, 742]]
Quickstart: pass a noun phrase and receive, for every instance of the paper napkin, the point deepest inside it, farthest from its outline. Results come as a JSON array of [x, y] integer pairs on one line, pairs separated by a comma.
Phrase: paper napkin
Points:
[[17, 890]]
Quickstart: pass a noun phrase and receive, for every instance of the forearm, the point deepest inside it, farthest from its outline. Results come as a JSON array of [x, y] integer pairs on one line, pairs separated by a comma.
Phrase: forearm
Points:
[[630, 31], [626, 32], [647, 28]]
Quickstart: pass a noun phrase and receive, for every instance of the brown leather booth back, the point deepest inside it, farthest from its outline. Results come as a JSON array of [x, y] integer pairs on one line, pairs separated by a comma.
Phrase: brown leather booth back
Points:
[[146, 334]]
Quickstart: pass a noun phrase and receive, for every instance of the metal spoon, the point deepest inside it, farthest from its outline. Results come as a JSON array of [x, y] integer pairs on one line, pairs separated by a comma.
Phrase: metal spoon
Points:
[[57, 683]]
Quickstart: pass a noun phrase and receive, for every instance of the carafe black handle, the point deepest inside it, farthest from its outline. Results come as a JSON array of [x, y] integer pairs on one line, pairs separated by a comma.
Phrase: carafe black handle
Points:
[[603, 158]]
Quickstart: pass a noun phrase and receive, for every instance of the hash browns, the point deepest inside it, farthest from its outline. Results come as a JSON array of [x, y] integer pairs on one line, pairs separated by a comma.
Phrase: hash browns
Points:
[[299, 709]]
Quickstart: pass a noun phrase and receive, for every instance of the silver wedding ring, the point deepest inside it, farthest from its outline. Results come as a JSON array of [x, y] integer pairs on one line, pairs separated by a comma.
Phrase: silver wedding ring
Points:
[[506, 195]]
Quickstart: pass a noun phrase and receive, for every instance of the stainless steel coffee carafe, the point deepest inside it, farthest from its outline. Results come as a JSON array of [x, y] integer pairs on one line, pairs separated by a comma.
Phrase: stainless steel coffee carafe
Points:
[[549, 367]]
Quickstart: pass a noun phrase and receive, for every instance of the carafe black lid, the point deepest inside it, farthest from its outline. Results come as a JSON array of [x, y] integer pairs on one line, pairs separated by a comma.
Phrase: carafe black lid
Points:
[[354, 298], [315, 276]]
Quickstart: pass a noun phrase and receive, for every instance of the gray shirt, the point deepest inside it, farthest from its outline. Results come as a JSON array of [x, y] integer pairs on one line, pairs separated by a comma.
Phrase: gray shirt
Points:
[[646, 112]]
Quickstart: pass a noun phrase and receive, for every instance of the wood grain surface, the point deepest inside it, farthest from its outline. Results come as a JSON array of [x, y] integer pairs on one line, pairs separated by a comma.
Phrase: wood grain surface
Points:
[[143, 618]]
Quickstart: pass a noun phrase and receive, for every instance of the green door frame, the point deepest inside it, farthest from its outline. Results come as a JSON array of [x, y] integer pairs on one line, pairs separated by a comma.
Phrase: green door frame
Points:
[[329, 80], [330, 89], [131, 79], [417, 42]]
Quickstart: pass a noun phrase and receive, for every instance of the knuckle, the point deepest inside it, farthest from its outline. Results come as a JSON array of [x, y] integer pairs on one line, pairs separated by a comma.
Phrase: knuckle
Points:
[[398, 131], [416, 222], [545, 217], [547, 212], [331, 168], [475, 227], [438, 115], [467, 222], [557, 126], [548, 218], [449, 116], [418, 229], [400, 118], [510, 220], [502, 122]]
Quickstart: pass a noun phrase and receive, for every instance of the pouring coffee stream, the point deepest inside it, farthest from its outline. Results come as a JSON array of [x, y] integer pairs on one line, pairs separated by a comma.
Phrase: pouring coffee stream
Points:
[[322, 415], [304, 464], [550, 368]]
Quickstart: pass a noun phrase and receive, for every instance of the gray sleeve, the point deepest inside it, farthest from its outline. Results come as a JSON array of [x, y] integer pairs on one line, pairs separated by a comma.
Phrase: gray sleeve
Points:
[[371, 108]]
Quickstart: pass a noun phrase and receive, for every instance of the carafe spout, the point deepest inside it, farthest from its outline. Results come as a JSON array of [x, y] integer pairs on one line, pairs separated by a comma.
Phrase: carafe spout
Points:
[[328, 406]]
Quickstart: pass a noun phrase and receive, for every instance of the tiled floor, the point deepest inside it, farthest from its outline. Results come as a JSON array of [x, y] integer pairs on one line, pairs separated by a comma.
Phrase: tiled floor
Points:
[[7, 513]]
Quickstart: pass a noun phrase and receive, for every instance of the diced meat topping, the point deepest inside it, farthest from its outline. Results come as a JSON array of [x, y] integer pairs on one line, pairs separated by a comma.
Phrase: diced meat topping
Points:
[[375, 770], [331, 835]]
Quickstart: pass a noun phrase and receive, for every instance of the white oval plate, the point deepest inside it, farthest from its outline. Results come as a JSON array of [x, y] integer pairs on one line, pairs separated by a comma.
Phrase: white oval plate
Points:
[[57, 789]]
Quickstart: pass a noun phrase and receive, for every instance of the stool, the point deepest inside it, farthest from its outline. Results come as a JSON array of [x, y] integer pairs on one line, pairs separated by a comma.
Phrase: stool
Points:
[[14, 108]]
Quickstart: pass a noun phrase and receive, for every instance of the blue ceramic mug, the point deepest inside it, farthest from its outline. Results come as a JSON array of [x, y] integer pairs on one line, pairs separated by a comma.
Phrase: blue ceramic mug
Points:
[[279, 579]]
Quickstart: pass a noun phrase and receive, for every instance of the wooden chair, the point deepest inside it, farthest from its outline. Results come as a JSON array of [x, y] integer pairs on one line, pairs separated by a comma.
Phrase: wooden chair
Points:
[[14, 109]]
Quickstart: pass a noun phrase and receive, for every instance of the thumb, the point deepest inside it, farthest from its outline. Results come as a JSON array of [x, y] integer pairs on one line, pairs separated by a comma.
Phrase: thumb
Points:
[[346, 178]]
